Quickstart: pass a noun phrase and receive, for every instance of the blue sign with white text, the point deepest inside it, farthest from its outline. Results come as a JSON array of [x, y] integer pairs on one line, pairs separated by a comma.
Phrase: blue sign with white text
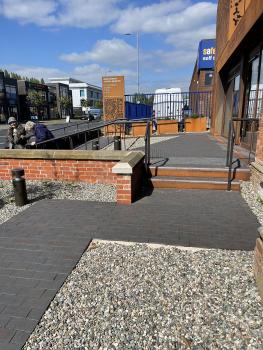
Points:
[[206, 54]]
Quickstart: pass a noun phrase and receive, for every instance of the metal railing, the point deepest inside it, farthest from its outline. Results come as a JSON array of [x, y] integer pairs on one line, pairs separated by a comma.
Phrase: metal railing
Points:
[[104, 137], [246, 125], [178, 105], [147, 140]]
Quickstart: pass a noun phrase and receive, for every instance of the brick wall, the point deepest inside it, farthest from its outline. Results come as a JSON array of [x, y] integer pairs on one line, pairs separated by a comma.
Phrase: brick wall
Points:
[[86, 170], [258, 265], [61, 170]]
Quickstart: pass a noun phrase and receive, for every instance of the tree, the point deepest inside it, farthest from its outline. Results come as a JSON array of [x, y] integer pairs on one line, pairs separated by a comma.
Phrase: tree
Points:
[[144, 99], [65, 103], [36, 99], [98, 104], [19, 77], [86, 103]]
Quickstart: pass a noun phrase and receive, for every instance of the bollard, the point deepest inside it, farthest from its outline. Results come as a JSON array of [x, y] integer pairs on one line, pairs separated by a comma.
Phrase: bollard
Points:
[[95, 145], [19, 184], [117, 143]]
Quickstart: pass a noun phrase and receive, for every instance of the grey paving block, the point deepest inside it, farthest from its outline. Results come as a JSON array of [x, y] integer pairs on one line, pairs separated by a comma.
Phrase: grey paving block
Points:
[[6, 334], [4, 320], [9, 346], [18, 311], [20, 338], [22, 324], [34, 314]]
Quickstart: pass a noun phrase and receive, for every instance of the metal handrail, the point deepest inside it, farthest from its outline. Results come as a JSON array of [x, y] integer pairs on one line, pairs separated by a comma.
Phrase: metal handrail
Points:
[[147, 139], [231, 143]]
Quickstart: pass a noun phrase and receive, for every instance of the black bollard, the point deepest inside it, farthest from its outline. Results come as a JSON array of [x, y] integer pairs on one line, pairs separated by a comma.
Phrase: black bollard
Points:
[[95, 145], [19, 184], [117, 143]]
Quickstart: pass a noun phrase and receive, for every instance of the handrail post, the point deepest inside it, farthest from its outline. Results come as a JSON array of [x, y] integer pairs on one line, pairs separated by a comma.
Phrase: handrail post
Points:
[[231, 149], [229, 142], [251, 140]]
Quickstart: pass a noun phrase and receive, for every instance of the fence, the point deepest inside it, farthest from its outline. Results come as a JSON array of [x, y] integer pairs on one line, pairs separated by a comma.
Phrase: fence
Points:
[[175, 105]]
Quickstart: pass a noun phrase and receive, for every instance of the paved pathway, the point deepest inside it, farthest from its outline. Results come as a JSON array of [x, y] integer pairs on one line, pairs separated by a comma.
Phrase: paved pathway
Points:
[[189, 150], [41, 246]]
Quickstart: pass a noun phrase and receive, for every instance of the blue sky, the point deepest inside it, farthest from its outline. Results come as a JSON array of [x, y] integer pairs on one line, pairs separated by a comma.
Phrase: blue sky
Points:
[[85, 39]]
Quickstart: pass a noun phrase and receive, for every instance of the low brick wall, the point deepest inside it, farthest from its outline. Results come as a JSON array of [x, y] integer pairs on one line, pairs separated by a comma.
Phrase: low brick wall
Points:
[[87, 166], [258, 265]]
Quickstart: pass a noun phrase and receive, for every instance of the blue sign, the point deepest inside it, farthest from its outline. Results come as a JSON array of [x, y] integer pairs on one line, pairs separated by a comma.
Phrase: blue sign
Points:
[[206, 54]]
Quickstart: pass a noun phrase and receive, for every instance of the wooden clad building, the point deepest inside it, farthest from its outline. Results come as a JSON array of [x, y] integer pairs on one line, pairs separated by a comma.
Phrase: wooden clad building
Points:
[[238, 75]]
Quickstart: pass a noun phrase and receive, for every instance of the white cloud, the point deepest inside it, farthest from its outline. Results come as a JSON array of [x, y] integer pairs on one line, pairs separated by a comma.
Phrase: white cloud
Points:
[[74, 13], [93, 73], [87, 13], [36, 11], [166, 17], [114, 52], [34, 72], [189, 39]]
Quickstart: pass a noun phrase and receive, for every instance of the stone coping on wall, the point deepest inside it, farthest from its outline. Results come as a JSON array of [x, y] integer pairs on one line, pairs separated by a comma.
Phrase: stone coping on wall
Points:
[[258, 165], [100, 155], [126, 165]]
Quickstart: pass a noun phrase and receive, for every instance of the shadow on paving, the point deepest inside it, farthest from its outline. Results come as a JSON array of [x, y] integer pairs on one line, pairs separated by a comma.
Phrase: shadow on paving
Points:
[[40, 246]]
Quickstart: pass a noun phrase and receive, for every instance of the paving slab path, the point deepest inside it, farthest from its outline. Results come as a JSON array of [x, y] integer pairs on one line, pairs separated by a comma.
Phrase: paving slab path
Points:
[[40, 246]]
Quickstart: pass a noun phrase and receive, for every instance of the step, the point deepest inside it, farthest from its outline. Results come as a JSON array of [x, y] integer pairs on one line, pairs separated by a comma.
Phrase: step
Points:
[[207, 184], [241, 174]]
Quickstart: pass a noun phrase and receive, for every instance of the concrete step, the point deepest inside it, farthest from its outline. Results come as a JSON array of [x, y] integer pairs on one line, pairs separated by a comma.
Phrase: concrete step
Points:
[[241, 174], [190, 183]]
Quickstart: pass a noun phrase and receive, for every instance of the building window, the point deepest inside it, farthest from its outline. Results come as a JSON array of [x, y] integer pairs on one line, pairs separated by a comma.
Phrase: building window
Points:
[[11, 92], [254, 93], [98, 95], [208, 79], [91, 94], [81, 93]]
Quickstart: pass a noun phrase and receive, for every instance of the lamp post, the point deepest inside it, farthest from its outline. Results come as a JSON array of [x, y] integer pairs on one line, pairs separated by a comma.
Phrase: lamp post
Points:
[[138, 60]]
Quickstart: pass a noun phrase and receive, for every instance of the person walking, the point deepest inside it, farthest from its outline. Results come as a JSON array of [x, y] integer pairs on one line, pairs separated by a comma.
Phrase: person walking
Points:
[[37, 133], [16, 134]]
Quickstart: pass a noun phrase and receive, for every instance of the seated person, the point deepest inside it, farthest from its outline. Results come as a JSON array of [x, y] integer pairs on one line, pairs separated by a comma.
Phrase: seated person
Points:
[[37, 133], [16, 134]]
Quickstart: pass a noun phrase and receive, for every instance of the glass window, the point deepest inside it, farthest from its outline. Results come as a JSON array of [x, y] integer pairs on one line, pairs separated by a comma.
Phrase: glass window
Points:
[[208, 79], [1, 84], [254, 91], [81, 93], [236, 96], [10, 92], [91, 94]]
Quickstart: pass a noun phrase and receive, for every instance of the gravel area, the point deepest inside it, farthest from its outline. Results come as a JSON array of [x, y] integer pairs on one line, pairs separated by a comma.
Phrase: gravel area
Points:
[[137, 297], [251, 197], [38, 190]]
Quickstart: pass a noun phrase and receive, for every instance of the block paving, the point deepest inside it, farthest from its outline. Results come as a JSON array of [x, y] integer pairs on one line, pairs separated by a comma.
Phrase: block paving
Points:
[[41, 246]]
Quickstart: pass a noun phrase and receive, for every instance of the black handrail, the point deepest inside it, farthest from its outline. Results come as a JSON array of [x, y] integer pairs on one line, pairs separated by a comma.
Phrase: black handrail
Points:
[[231, 144], [147, 139]]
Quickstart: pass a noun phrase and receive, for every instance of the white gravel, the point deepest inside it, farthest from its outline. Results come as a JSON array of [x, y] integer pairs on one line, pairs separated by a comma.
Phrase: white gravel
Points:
[[38, 190], [252, 199], [135, 297]]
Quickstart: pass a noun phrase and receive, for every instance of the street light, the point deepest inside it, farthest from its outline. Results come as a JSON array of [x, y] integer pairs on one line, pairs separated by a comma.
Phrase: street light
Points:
[[138, 61]]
